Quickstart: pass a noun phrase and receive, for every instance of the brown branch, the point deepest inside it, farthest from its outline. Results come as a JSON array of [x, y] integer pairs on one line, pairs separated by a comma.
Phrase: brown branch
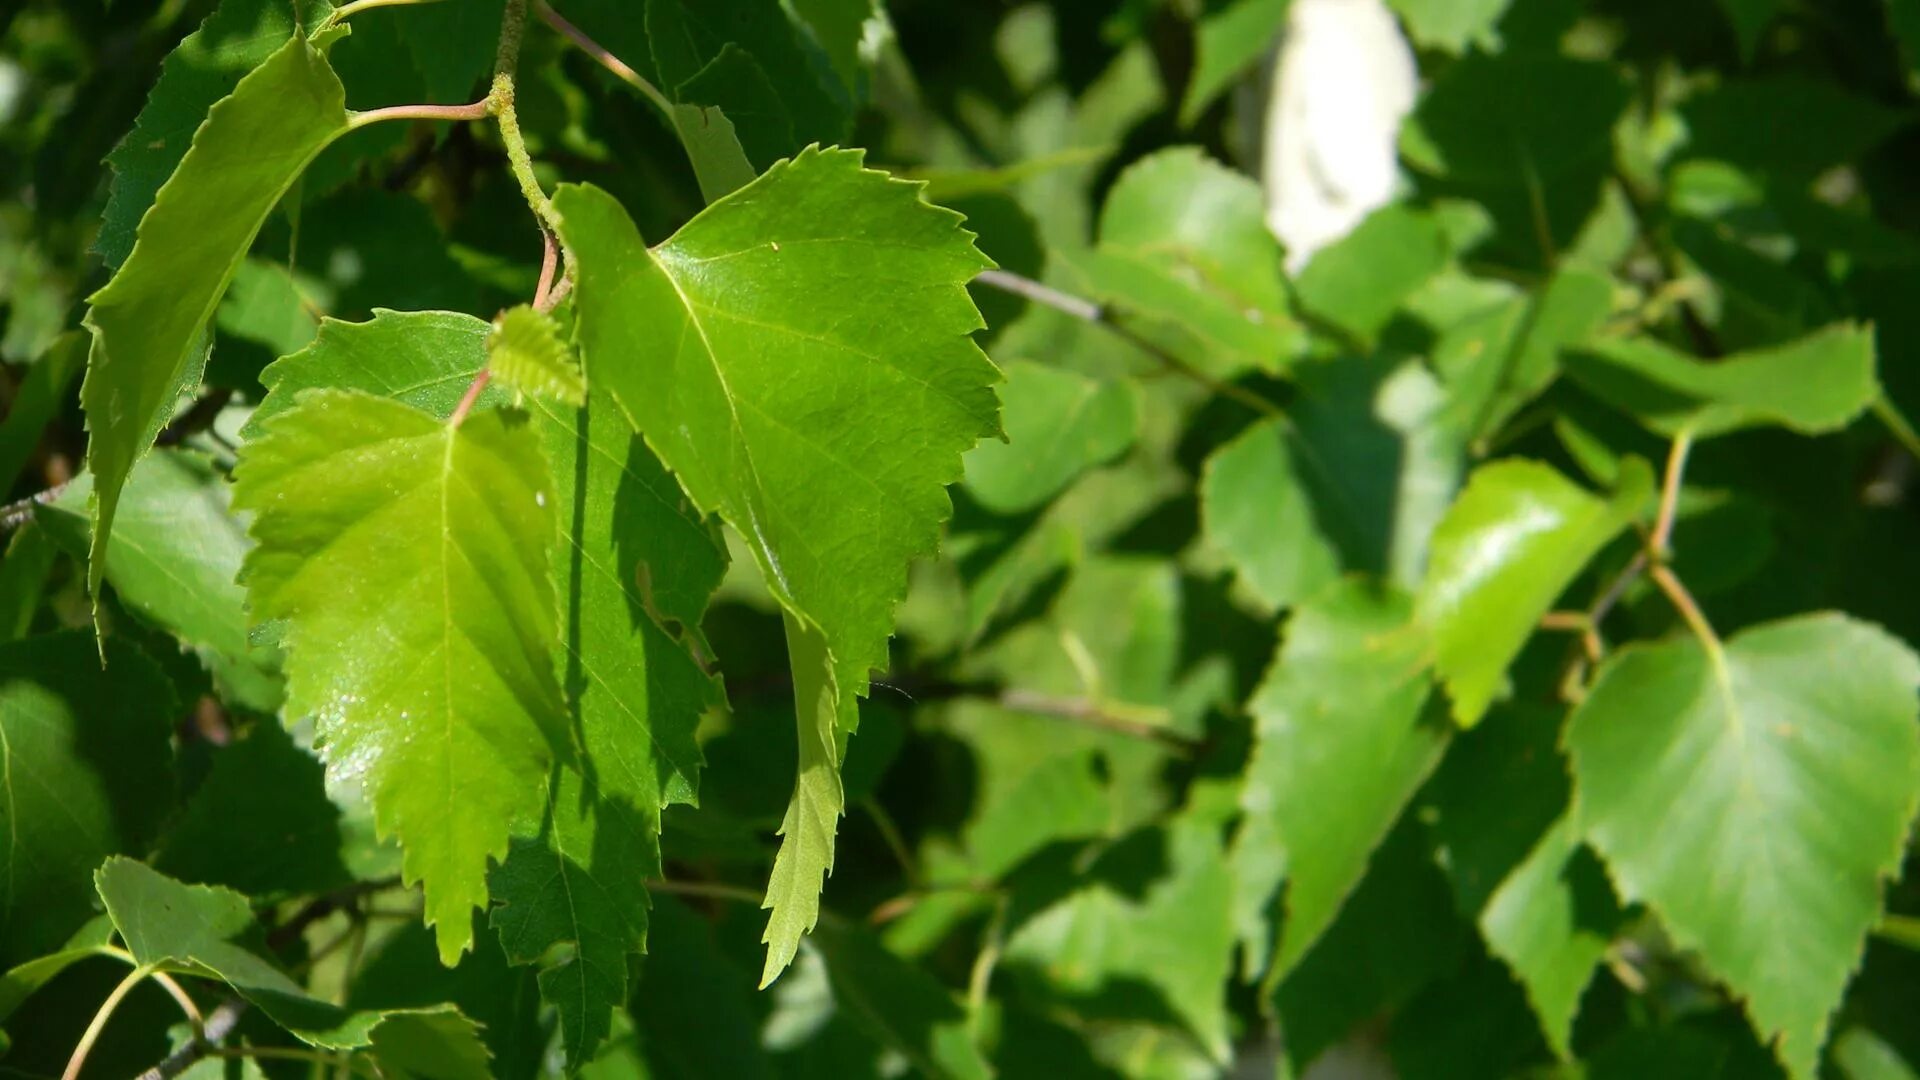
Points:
[[1105, 317]]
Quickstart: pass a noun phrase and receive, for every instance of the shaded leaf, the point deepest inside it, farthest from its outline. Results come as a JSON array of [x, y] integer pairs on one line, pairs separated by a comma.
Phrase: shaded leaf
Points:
[[1058, 425], [86, 774], [636, 696], [1257, 510], [202, 69], [1340, 746], [1226, 43], [1359, 281], [1815, 385], [899, 1005], [180, 546], [260, 822]]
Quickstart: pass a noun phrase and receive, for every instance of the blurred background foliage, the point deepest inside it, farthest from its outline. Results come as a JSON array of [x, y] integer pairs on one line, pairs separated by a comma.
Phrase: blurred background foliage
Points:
[[1045, 787]]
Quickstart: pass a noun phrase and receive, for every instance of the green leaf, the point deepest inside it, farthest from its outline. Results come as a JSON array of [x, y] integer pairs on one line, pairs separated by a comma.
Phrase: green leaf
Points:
[[1340, 745], [720, 165], [1256, 508], [1515, 539], [429, 1044], [1058, 424], [22, 980], [1186, 258], [201, 70], [1749, 18], [148, 322], [636, 696], [526, 355], [1396, 934], [1755, 796], [424, 359], [207, 930], [636, 562], [1739, 121], [749, 61], [764, 372], [1516, 120], [1379, 458], [210, 931], [1496, 362], [24, 574], [36, 400], [453, 44], [290, 842], [1453, 25], [1499, 808], [179, 549], [264, 306], [691, 1002], [1226, 43], [1039, 782], [85, 767], [410, 561], [899, 1005], [1815, 385], [1551, 921], [822, 710], [1360, 281], [1859, 1054], [1144, 933], [846, 30]]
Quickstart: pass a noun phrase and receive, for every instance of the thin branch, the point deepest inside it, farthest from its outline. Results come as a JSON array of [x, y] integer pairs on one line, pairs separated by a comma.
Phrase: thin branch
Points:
[[1115, 718], [99, 1022], [348, 10], [294, 1053], [620, 69], [1617, 589], [705, 889], [1102, 316], [892, 909], [560, 292], [477, 110], [1660, 542], [220, 1023], [320, 908], [186, 1003], [896, 842], [1689, 609], [1897, 423], [549, 262], [474, 389], [14, 515]]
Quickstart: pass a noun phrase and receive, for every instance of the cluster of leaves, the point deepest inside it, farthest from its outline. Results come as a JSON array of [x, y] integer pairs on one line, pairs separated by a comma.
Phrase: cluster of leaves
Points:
[[438, 622]]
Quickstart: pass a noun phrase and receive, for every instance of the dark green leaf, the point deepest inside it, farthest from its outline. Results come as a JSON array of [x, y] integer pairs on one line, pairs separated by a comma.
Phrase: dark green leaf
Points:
[[86, 775]]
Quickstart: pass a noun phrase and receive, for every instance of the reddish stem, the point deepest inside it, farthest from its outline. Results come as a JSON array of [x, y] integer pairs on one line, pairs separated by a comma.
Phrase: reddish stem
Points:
[[549, 262], [472, 395], [475, 111]]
